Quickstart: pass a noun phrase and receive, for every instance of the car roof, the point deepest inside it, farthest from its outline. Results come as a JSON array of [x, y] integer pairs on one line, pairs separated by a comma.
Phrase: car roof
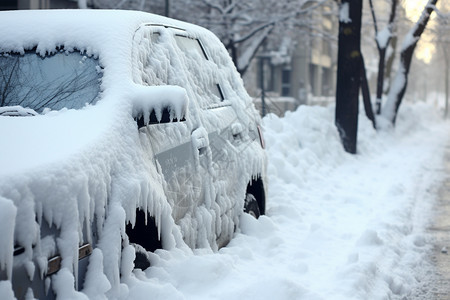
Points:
[[106, 34], [89, 30]]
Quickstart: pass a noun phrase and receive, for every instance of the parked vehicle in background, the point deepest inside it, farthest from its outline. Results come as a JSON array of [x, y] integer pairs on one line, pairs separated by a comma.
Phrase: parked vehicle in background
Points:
[[119, 130]]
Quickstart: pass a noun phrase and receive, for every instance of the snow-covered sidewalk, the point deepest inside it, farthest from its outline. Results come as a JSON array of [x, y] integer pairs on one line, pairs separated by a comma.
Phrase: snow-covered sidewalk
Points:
[[435, 283], [338, 226]]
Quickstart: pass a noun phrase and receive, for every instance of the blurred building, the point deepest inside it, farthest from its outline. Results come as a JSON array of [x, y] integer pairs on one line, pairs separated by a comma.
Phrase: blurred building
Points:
[[301, 70], [37, 4], [295, 68]]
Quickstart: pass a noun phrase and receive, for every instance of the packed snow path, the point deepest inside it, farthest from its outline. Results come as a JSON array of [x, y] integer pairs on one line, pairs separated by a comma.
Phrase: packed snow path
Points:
[[435, 283], [338, 226]]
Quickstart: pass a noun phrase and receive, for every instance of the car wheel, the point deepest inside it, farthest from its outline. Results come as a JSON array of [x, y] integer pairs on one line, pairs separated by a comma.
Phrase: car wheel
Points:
[[251, 206], [141, 260], [143, 236]]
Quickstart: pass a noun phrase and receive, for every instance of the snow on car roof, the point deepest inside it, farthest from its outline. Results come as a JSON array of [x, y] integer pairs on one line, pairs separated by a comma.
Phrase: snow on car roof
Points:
[[106, 34], [58, 166], [65, 146], [102, 33], [90, 30], [68, 166]]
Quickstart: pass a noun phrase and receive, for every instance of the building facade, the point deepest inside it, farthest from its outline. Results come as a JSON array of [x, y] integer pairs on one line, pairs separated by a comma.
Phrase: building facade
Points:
[[303, 75], [37, 4]]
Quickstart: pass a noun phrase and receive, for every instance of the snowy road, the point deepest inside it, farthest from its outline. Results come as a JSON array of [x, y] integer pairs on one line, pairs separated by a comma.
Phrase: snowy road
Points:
[[337, 227], [435, 280]]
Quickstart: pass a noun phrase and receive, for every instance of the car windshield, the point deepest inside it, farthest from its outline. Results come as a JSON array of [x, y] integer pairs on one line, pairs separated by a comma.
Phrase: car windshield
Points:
[[61, 80]]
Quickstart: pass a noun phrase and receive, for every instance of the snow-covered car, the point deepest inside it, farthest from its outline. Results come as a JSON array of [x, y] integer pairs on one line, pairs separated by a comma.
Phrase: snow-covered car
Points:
[[121, 132]]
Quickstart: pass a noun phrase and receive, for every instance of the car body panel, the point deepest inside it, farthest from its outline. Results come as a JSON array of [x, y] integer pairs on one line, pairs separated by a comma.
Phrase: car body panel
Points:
[[77, 176]]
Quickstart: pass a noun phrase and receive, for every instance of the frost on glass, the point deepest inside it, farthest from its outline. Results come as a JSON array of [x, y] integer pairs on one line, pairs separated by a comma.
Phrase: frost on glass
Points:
[[172, 59], [62, 80]]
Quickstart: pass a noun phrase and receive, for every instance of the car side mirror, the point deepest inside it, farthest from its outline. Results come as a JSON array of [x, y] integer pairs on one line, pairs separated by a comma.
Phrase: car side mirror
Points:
[[159, 104]]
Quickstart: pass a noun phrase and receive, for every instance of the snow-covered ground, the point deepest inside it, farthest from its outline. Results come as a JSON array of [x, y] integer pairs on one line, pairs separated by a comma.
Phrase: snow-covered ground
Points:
[[338, 226]]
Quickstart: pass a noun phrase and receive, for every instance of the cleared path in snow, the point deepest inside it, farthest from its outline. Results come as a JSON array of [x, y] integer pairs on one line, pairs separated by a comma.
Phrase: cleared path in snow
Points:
[[435, 282], [440, 231]]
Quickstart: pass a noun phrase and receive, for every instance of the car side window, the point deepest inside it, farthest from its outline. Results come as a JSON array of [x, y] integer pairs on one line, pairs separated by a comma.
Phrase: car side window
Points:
[[197, 58], [153, 61], [164, 56], [191, 47], [65, 79]]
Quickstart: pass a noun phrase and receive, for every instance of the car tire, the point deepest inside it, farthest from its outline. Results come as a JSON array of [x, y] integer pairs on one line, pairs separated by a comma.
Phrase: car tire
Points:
[[141, 260], [143, 236], [251, 206]]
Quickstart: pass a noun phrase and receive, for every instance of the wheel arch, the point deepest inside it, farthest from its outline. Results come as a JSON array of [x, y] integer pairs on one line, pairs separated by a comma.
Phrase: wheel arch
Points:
[[257, 189], [144, 232]]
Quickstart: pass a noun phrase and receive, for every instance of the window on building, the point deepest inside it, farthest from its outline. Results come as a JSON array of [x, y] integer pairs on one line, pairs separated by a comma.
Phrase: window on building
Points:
[[312, 79], [286, 82], [326, 47], [326, 82], [265, 72]]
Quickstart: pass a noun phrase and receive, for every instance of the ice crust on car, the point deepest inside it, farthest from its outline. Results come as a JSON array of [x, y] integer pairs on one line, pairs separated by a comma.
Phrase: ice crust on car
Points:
[[172, 97], [77, 169]]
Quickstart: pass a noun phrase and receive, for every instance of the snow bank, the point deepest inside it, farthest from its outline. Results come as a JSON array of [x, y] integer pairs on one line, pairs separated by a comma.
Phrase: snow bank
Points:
[[338, 226]]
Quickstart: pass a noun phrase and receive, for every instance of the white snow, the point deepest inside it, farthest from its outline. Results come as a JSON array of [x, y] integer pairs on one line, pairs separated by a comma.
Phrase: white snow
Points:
[[338, 226], [16, 111], [6, 289], [383, 37], [96, 284], [388, 109], [83, 173], [409, 40], [344, 13], [172, 97], [8, 216]]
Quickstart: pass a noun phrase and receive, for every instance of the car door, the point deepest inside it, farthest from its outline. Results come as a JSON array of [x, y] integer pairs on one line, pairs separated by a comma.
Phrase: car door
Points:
[[180, 150], [226, 134]]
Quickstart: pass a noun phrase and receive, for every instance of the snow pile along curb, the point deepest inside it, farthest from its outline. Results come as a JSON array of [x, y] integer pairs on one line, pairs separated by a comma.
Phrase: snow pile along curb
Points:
[[338, 226]]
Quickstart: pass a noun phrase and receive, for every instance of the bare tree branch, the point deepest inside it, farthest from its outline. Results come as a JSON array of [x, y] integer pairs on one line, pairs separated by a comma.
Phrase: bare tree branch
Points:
[[398, 90]]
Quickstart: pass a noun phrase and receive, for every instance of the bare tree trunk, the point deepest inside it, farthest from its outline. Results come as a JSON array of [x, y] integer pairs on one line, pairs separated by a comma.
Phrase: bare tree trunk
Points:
[[389, 64], [400, 83], [348, 72], [446, 92], [231, 47], [382, 39], [444, 49], [380, 78], [366, 94]]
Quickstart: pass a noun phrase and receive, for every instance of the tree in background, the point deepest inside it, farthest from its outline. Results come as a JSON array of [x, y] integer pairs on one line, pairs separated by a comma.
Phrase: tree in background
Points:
[[351, 71], [115, 4], [384, 38], [398, 87], [348, 72], [242, 26], [441, 38], [444, 43]]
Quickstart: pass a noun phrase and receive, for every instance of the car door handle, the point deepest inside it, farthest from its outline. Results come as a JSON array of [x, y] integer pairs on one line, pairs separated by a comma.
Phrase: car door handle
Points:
[[200, 139], [202, 150], [236, 130]]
